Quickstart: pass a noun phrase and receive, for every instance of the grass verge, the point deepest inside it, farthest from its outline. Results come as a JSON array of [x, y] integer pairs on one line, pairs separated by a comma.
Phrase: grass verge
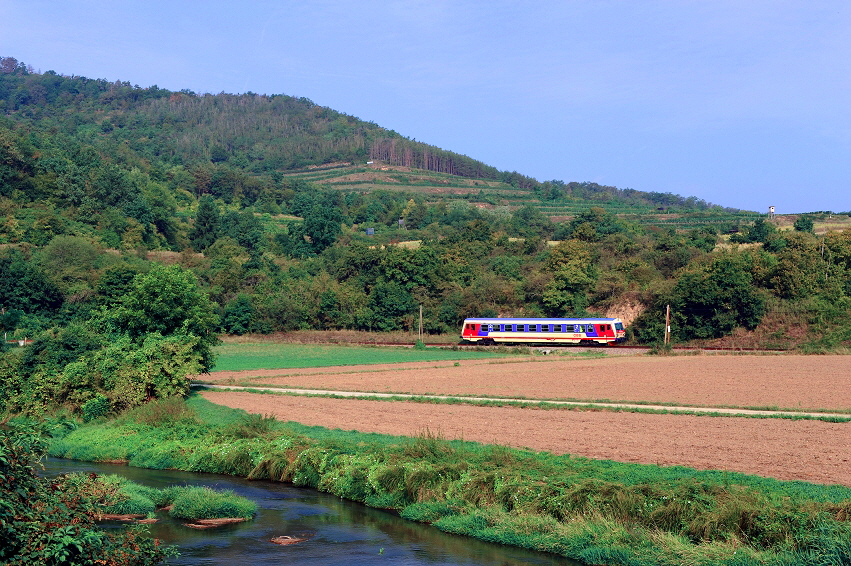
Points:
[[252, 356], [598, 512]]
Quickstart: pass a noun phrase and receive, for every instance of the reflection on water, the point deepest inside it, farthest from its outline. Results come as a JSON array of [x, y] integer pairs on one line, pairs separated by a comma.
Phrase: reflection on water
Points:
[[341, 532]]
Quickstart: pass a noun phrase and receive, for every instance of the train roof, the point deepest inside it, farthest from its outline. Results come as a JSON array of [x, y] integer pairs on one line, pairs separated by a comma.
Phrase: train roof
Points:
[[541, 320]]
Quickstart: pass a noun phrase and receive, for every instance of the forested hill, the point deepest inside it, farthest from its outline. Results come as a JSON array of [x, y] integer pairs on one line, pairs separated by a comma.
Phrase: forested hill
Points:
[[241, 142], [275, 221]]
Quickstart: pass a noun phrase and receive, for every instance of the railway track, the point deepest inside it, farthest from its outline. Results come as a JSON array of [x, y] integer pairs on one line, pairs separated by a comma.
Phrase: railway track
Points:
[[566, 347]]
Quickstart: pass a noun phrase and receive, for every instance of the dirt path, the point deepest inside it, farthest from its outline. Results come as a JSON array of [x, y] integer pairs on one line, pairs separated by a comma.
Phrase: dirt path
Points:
[[786, 449]]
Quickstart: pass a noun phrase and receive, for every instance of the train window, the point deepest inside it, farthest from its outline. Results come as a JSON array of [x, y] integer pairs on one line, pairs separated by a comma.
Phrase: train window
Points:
[[578, 328], [618, 326], [556, 327], [545, 328]]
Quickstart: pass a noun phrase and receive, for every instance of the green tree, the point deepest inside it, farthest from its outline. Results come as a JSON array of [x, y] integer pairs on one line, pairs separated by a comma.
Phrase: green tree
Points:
[[168, 301], [238, 316], [573, 276], [804, 223], [26, 288], [322, 224], [390, 303], [206, 228], [711, 301]]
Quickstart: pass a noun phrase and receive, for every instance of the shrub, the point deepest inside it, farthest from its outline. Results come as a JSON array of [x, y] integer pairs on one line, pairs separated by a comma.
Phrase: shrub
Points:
[[95, 408], [159, 412], [51, 521]]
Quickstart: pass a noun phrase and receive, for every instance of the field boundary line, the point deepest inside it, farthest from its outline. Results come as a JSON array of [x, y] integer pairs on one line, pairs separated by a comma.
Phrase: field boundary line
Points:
[[578, 404]]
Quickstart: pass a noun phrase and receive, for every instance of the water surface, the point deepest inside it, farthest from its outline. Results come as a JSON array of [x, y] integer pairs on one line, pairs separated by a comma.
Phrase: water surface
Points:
[[339, 531]]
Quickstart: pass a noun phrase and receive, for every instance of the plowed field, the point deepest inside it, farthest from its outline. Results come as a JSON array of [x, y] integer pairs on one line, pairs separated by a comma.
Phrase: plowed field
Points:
[[786, 449]]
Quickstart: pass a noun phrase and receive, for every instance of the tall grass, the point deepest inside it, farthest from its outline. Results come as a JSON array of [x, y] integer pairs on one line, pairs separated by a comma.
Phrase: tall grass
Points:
[[121, 496], [598, 512]]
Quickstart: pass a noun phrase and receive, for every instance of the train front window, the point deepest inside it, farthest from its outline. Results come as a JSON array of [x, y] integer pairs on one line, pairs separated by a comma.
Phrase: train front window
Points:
[[618, 326]]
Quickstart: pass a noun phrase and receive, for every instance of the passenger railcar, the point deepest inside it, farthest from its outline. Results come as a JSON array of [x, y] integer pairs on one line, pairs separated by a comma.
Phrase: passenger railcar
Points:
[[544, 330]]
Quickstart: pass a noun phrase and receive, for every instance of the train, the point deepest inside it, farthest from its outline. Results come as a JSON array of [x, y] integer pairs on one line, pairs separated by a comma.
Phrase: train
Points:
[[544, 330]]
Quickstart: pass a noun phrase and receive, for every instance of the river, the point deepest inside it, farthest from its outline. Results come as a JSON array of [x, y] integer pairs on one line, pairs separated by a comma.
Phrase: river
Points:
[[337, 531]]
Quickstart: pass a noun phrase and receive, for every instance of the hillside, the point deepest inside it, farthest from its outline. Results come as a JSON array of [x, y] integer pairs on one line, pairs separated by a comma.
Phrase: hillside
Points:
[[288, 216], [234, 144]]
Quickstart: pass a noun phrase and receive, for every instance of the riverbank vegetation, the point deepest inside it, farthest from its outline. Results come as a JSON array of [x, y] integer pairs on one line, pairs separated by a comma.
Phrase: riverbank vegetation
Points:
[[182, 502], [598, 512], [53, 521]]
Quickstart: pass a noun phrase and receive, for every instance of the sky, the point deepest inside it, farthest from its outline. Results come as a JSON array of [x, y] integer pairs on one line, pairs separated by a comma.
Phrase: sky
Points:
[[741, 104]]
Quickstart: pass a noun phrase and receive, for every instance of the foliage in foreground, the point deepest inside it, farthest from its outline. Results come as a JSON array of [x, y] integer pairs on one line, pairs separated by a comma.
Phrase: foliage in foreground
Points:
[[45, 521], [597, 512]]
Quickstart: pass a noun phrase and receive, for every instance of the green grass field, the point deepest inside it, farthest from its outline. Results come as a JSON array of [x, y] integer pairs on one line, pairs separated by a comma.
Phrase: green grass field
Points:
[[238, 357]]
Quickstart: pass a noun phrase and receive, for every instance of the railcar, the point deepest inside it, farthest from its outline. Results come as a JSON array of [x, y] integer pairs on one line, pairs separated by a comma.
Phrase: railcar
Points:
[[544, 330]]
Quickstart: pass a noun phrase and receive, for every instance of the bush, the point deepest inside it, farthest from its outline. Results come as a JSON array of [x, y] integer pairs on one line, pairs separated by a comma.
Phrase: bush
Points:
[[51, 521], [95, 408]]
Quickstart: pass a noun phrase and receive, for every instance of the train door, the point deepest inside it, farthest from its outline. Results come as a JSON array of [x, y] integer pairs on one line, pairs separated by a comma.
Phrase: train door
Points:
[[591, 331], [471, 330]]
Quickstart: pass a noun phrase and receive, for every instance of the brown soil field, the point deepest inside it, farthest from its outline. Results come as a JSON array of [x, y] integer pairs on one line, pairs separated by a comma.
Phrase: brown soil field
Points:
[[786, 449], [781, 381]]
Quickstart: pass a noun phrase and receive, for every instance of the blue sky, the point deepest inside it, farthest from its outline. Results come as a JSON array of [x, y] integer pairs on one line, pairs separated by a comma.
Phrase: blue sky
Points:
[[743, 104]]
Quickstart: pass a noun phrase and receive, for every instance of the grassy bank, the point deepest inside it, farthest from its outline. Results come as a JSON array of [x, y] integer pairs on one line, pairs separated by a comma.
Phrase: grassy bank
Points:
[[598, 512]]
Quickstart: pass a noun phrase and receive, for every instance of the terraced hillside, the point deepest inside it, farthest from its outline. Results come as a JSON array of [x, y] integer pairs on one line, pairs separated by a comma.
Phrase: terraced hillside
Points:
[[489, 193]]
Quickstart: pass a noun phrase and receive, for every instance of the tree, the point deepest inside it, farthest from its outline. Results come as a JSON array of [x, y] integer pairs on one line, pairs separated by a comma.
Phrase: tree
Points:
[[389, 303], [804, 223], [573, 276], [710, 302], [206, 228], [322, 224], [168, 301], [529, 222], [238, 315], [26, 288]]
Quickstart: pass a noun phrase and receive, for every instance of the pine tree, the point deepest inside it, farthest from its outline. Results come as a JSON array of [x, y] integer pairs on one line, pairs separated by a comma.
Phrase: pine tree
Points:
[[206, 228]]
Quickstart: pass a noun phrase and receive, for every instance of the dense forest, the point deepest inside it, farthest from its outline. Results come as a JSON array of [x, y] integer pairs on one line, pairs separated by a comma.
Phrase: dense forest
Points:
[[139, 222]]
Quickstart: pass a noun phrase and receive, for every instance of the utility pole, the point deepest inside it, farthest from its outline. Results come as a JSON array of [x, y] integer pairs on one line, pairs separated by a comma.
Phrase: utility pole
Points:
[[667, 325]]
